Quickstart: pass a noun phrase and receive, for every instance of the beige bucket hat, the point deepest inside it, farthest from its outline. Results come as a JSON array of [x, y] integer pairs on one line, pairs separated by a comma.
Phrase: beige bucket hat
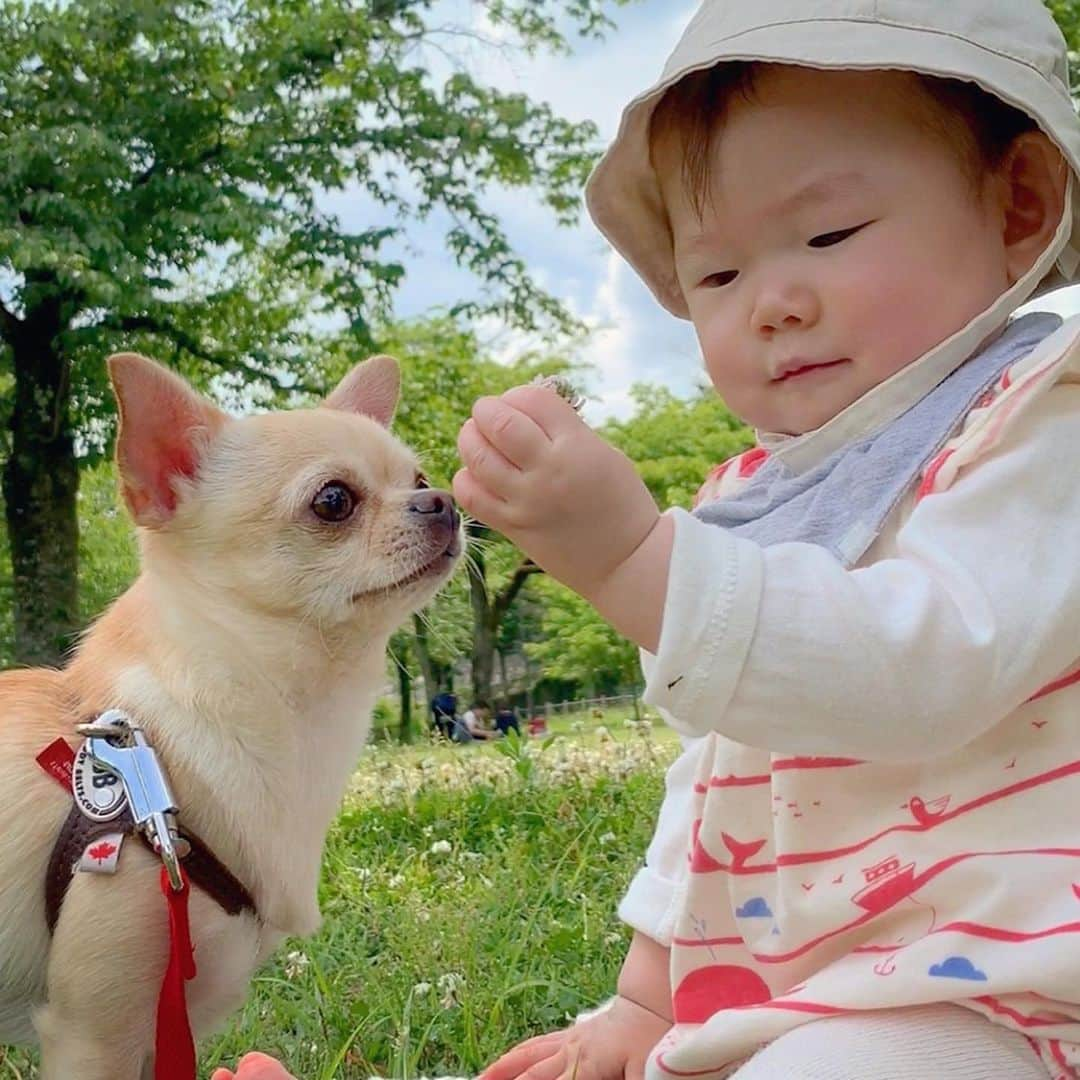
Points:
[[1011, 48]]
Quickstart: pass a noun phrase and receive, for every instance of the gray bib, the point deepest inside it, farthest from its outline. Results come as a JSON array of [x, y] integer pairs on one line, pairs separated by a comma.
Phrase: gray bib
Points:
[[842, 503]]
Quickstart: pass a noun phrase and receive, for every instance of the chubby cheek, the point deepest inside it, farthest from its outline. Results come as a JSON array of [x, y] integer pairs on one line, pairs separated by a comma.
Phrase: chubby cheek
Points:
[[908, 304], [729, 363], [885, 310]]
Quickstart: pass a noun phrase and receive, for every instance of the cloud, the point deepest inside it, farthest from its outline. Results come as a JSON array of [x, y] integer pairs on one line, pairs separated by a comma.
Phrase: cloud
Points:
[[634, 340], [958, 967], [755, 908]]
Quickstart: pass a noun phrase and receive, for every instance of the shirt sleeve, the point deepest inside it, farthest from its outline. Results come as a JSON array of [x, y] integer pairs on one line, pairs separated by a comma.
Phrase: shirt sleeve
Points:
[[655, 896], [909, 657]]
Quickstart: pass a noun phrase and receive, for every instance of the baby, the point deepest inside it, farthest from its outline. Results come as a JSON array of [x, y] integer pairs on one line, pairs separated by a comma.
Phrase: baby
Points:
[[868, 631], [870, 627]]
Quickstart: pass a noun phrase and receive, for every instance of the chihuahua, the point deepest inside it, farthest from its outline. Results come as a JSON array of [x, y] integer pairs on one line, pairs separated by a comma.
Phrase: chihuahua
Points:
[[278, 553]]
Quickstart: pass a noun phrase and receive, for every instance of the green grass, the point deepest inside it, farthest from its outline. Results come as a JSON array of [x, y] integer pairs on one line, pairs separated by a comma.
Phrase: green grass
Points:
[[469, 898]]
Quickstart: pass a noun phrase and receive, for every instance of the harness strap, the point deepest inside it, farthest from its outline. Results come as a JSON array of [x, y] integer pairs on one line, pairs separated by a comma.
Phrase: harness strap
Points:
[[203, 867]]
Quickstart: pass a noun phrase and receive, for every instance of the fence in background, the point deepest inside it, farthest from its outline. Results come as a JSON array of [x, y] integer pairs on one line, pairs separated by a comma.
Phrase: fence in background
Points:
[[571, 708]]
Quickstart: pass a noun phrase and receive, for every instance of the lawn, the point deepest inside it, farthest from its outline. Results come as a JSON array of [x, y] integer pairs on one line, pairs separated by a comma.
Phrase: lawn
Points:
[[469, 898]]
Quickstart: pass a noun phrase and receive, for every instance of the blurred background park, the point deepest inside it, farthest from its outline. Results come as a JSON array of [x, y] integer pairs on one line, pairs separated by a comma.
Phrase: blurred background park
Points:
[[259, 193]]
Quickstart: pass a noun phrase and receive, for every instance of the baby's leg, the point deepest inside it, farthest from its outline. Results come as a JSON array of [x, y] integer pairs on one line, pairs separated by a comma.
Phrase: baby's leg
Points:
[[945, 1042]]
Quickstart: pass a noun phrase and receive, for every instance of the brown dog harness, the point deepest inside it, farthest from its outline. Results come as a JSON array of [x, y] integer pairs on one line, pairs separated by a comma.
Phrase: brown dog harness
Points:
[[82, 829], [203, 868]]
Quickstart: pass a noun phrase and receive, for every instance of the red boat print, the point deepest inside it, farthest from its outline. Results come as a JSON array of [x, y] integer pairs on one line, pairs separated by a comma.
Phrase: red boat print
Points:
[[887, 882]]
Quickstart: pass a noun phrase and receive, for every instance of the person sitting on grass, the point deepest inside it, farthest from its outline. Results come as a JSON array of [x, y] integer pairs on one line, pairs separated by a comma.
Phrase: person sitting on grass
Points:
[[472, 724], [506, 719]]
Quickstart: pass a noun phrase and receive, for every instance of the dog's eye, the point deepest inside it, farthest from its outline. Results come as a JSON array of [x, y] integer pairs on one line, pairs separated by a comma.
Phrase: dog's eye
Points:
[[335, 502], [421, 481]]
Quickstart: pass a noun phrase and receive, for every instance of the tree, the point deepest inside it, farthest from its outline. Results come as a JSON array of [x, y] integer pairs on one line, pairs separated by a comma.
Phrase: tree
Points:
[[675, 443], [161, 166], [576, 645]]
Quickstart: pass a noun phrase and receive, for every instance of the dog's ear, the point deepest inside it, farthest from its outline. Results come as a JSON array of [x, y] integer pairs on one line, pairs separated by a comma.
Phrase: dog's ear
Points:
[[371, 388], [165, 428]]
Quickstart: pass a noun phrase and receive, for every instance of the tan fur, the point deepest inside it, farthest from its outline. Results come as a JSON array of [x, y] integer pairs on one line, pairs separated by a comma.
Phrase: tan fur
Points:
[[250, 649]]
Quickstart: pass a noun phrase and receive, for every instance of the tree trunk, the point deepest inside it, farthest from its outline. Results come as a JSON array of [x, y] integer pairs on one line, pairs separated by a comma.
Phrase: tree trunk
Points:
[[505, 691], [405, 729], [428, 668], [40, 485], [483, 648], [488, 614]]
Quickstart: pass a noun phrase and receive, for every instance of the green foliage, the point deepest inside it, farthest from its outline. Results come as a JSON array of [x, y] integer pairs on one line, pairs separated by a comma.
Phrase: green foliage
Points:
[[108, 559], [522, 753], [675, 443], [576, 645], [108, 556]]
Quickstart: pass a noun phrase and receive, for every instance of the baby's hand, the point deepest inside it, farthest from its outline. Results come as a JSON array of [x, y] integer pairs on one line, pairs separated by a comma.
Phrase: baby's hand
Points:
[[613, 1044], [255, 1067], [538, 474]]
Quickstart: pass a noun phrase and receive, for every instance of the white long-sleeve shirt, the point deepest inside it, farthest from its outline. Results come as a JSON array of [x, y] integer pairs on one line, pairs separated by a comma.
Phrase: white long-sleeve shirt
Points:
[[833, 715]]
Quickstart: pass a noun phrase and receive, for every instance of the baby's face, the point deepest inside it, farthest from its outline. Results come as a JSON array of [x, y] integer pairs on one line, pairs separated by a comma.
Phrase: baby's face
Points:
[[841, 239]]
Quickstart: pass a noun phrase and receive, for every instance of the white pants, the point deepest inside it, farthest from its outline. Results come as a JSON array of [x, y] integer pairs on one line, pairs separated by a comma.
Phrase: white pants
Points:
[[931, 1042]]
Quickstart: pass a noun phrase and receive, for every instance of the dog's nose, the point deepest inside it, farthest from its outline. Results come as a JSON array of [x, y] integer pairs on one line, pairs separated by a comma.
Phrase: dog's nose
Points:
[[439, 504]]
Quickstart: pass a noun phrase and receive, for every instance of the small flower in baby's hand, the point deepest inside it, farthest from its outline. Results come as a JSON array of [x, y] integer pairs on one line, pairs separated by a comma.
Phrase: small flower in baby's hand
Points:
[[563, 387]]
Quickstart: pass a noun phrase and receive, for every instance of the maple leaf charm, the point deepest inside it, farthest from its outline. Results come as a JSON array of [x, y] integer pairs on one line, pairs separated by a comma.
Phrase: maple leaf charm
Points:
[[101, 852]]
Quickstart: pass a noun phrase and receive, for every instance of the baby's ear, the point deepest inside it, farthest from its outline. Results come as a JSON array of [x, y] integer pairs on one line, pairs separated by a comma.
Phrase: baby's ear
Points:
[[1035, 178], [165, 428], [371, 388]]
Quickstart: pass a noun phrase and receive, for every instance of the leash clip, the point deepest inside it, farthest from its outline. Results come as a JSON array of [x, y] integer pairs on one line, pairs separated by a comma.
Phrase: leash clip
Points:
[[120, 747]]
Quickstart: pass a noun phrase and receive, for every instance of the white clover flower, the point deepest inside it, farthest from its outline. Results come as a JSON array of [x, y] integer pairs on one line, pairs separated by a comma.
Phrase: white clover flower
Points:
[[449, 985], [441, 847], [363, 873], [607, 838], [296, 964], [396, 881], [421, 988]]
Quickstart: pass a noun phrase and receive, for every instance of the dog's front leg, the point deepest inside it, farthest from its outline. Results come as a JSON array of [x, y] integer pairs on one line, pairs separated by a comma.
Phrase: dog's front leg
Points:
[[106, 964]]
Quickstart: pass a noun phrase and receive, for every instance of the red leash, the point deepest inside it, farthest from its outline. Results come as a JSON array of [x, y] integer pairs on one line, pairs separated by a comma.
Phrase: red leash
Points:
[[174, 1048]]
